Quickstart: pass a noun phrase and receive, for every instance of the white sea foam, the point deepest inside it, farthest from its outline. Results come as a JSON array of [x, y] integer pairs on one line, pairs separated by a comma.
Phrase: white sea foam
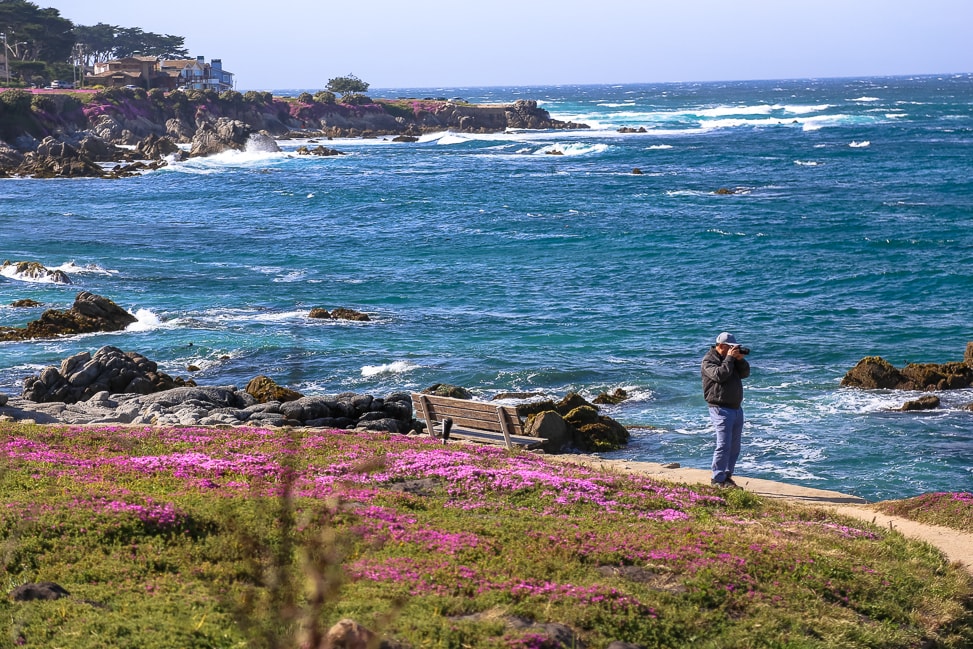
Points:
[[658, 147], [396, 367], [804, 110], [10, 272], [859, 145], [577, 149], [866, 99], [723, 111], [146, 321], [72, 268], [806, 163]]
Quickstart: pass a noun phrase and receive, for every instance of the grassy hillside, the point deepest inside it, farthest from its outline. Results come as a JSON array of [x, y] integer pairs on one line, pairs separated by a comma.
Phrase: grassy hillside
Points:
[[260, 538]]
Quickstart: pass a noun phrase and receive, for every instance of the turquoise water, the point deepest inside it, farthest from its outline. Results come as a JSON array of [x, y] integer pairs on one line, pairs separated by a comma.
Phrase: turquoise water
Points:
[[486, 262]]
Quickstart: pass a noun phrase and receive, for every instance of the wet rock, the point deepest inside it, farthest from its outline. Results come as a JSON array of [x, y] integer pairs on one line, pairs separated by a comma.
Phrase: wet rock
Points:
[[265, 389], [222, 135], [925, 402], [35, 271], [318, 151], [155, 147], [447, 390], [874, 372], [550, 426], [614, 398], [338, 314], [90, 313], [25, 303]]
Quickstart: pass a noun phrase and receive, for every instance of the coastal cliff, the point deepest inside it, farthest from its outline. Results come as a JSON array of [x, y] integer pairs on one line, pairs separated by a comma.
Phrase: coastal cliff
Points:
[[67, 134]]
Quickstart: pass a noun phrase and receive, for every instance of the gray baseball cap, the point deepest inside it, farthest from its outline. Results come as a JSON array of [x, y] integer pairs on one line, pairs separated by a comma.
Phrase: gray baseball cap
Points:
[[726, 338]]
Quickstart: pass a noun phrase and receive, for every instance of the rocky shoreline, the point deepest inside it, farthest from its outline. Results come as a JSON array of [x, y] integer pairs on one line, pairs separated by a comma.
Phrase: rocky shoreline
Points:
[[48, 136]]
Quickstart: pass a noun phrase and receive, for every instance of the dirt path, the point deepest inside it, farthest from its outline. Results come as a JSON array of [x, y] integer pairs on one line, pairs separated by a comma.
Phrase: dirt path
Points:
[[956, 545]]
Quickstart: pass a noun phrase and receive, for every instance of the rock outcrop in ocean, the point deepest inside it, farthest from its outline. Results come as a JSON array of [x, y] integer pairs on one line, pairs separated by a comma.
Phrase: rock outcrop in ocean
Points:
[[56, 135], [90, 313], [876, 373]]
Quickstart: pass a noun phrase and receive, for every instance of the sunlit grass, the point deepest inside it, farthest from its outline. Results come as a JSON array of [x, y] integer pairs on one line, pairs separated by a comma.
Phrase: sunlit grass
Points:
[[262, 538], [947, 509]]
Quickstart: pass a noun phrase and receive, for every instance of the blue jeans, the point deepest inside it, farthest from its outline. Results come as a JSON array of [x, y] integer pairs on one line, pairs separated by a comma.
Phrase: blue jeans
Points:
[[728, 423]]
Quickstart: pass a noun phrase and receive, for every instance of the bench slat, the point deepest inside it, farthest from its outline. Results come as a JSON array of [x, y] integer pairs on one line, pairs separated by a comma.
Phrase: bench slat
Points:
[[473, 419]]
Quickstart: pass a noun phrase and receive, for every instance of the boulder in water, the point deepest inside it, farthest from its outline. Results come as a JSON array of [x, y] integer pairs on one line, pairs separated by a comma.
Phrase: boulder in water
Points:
[[90, 313]]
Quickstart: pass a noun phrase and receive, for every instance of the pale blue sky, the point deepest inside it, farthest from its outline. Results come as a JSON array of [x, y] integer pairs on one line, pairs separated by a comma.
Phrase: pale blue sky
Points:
[[440, 43]]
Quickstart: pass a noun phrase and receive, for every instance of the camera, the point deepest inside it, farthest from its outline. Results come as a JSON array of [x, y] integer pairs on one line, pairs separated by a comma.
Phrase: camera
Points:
[[743, 350]]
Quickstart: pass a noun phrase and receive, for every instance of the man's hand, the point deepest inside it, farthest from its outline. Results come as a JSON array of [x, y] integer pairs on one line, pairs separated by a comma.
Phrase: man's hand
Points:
[[735, 353]]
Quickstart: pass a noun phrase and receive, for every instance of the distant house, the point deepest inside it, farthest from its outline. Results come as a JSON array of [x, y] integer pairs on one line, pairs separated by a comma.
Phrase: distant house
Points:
[[141, 71], [150, 72], [196, 74]]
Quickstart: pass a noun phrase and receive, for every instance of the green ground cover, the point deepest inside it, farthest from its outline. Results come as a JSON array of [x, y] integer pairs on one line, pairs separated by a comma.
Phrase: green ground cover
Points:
[[947, 509], [261, 538]]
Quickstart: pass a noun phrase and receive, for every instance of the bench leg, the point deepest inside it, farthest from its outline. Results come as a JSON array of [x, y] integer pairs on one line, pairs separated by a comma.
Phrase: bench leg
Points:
[[447, 426]]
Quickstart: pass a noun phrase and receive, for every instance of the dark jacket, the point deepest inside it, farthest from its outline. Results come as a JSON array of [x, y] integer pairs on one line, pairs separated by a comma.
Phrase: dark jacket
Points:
[[722, 379]]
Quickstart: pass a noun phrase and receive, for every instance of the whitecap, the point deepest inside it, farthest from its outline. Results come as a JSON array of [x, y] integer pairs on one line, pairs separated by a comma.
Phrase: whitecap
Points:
[[806, 163], [803, 110], [866, 99], [577, 149], [48, 277], [658, 147], [859, 145], [723, 111], [396, 367], [146, 320], [72, 268]]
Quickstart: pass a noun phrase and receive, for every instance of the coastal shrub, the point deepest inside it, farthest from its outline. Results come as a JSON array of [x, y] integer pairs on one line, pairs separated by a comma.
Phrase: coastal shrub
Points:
[[257, 97], [946, 509], [324, 97], [220, 538], [305, 98], [44, 103], [356, 99], [15, 101]]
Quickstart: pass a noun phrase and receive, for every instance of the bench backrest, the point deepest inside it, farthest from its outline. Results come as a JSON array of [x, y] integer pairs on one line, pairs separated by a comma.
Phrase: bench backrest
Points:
[[478, 415]]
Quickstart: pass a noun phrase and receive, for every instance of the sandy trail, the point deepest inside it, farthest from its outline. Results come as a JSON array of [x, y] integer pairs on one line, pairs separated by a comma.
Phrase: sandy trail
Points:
[[956, 545]]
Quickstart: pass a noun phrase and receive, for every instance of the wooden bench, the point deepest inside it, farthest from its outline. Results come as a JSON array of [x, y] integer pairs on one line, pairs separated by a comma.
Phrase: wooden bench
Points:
[[474, 420]]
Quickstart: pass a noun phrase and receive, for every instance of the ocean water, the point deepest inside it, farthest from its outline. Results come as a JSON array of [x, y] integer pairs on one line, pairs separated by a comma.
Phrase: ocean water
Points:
[[488, 262]]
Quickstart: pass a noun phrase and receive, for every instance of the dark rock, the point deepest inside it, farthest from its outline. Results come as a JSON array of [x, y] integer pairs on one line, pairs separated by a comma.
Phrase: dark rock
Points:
[[338, 314], [636, 171], [25, 303], [264, 389], [571, 401], [550, 426], [44, 590], [405, 138], [349, 314], [155, 147], [90, 313], [223, 135], [614, 398], [32, 270], [873, 372], [447, 390], [110, 370], [630, 129], [968, 356], [925, 402], [318, 151], [3, 399]]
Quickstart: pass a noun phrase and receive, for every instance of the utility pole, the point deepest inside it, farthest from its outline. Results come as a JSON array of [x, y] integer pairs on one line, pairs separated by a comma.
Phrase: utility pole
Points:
[[6, 56]]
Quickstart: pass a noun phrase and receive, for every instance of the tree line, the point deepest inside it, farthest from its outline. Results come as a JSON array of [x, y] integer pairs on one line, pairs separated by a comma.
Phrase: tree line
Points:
[[39, 42]]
